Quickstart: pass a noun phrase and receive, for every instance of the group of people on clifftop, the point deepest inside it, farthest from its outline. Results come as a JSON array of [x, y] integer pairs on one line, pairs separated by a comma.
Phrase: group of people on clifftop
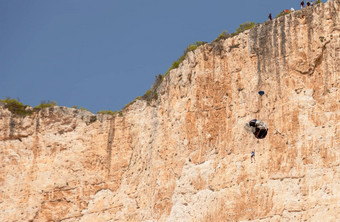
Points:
[[308, 3]]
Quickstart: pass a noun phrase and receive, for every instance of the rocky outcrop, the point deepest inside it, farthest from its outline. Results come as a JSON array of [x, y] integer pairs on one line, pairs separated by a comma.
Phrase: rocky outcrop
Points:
[[186, 156]]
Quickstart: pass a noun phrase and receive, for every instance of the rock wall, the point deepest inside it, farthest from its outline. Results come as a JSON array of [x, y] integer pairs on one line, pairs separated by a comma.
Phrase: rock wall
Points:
[[186, 156]]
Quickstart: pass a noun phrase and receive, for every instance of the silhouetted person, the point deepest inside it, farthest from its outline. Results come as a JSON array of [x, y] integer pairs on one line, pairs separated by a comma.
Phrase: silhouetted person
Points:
[[270, 16], [308, 3], [302, 4]]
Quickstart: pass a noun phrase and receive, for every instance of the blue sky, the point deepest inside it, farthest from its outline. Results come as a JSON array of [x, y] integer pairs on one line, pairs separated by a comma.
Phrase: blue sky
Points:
[[101, 54]]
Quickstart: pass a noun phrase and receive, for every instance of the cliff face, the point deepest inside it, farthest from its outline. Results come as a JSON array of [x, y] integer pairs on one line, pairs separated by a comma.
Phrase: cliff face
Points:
[[186, 157]]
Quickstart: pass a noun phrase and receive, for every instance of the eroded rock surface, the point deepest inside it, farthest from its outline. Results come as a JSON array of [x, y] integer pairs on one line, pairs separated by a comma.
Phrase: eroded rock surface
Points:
[[186, 156]]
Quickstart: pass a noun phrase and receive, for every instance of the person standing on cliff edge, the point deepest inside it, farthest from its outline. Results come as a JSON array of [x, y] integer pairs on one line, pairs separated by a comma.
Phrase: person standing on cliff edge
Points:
[[302, 4], [270, 16]]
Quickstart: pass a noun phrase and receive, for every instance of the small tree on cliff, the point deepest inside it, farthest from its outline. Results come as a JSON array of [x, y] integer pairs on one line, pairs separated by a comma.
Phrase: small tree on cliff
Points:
[[45, 104], [245, 26], [224, 34]]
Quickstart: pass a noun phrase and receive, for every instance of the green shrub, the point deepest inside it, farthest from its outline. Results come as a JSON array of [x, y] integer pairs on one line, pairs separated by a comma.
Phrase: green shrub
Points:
[[16, 107], [82, 108], [190, 48], [109, 112], [198, 43], [132, 102], [224, 34], [158, 80], [150, 95], [174, 65], [245, 26], [318, 2], [282, 14], [129, 104], [45, 104]]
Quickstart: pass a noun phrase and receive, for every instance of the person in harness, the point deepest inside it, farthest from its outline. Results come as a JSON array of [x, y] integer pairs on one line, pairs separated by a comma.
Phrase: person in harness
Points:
[[258, 128], [252, 156]]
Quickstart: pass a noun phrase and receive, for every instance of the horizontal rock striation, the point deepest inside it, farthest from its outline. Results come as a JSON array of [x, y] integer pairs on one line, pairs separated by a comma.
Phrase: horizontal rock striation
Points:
[[186, 155]]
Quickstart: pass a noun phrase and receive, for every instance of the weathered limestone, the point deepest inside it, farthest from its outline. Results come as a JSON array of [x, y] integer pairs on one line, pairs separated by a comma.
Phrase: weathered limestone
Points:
[[186, 156]]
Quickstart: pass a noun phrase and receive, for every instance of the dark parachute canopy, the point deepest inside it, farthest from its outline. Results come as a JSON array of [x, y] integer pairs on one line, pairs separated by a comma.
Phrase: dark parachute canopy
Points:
[[257, 127]]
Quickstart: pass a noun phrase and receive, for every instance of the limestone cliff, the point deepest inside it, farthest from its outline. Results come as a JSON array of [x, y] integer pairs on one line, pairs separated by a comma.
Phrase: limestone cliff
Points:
[[186, 156]]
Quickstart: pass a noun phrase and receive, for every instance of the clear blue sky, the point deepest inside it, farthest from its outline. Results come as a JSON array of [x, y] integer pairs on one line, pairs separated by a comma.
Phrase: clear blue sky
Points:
[[101, 54]]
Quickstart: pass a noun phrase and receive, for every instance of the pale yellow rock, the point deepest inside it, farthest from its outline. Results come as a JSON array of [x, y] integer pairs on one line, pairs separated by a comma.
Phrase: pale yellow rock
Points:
[[186, 156]]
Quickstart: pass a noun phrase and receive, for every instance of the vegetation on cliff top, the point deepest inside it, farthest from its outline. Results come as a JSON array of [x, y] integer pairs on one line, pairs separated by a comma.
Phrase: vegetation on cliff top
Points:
[[45, 104], [16, 107], [19, 109], [190, 48], [110, 112], [283, 13], [224, 35], [150, 94], [243, 27]]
